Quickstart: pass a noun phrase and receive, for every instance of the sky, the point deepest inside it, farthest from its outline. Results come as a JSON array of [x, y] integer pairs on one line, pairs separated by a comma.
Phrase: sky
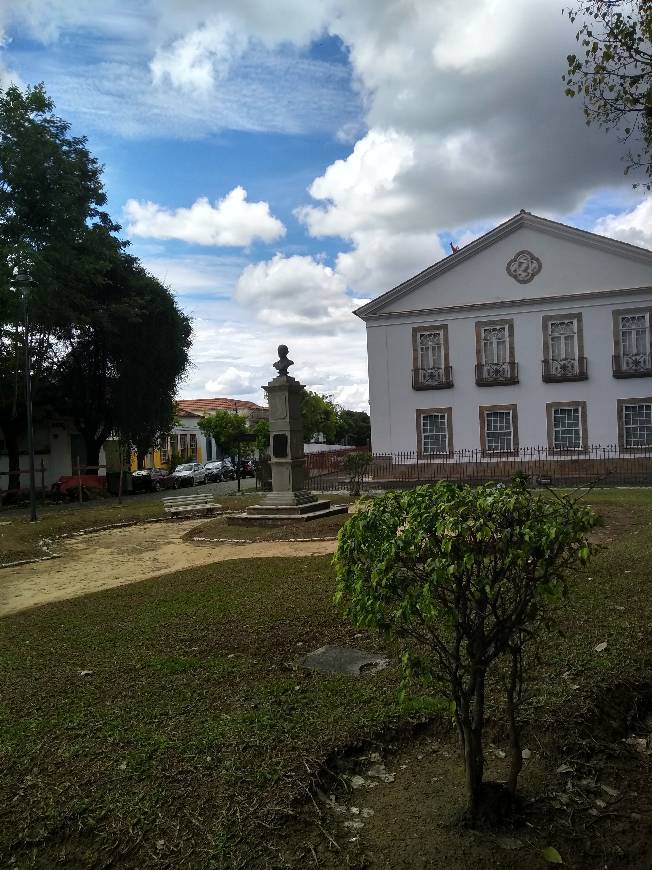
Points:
[[277, 164]]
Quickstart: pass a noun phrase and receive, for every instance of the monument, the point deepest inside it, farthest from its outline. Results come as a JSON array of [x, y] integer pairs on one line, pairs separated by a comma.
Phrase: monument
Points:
[[289, 498]]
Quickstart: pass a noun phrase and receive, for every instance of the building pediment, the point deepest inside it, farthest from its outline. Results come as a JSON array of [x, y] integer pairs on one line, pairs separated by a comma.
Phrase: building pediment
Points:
[[527, 257]]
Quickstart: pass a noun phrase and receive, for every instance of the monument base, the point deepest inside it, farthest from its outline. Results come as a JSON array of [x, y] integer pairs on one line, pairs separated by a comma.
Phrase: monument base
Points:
[[282, 509]]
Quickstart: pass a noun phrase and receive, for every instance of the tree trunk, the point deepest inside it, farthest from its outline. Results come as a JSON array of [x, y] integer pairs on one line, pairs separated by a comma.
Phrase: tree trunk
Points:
[[516, 752], [472, 726]]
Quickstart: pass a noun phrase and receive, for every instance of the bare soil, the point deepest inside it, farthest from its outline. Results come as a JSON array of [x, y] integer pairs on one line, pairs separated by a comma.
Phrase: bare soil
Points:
[[103, 560], [395, 806]]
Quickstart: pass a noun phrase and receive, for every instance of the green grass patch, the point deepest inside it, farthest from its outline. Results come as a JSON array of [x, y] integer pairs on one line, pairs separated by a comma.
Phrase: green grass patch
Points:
[[193, 732]]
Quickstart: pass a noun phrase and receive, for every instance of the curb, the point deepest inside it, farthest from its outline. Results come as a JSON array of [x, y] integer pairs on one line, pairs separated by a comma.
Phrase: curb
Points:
[[259, 540]]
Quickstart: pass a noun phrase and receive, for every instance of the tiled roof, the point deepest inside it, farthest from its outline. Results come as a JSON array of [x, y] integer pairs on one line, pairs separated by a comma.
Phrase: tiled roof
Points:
[[207, 406]]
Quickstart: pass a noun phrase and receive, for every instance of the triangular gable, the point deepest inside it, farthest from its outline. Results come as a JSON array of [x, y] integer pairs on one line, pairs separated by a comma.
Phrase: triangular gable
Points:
[[639, 273]]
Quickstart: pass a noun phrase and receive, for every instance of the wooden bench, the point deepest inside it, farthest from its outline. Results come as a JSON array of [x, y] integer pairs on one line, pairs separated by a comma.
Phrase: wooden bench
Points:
[[186, 504]]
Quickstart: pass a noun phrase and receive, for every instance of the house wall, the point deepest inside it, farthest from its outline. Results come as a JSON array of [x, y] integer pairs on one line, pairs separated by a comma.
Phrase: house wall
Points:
[[52, 445], [567, 267], [394, 403]]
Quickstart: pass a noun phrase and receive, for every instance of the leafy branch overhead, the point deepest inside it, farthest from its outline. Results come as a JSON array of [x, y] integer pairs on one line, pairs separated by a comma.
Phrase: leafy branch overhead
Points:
[[612, 73]]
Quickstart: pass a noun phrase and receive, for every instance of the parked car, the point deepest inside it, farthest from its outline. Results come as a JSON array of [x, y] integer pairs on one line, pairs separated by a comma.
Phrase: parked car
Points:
[[247, 468], [213, 471], [151, 480], [218, 470], [188, 474]]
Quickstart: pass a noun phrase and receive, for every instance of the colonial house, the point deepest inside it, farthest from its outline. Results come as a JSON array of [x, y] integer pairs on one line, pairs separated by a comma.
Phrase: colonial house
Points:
[[536, 333], [187, 439]]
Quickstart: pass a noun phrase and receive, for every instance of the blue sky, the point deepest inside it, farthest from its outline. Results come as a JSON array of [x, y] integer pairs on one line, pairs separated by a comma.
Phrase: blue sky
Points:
[[277, 163]]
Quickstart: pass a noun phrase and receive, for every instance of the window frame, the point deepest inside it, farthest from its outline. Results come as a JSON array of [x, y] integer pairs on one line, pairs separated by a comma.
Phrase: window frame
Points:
[[511, 374], [551, 407], [420, 330], [425, 412], [580, 368], [487, 409], [617, 314], [621, 403]]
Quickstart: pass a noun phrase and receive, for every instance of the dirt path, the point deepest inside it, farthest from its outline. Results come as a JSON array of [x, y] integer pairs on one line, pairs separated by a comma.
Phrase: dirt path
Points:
[[101, 561]]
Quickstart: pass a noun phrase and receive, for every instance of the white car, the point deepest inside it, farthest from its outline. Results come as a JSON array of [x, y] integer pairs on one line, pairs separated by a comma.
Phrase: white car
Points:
[[188, 474]]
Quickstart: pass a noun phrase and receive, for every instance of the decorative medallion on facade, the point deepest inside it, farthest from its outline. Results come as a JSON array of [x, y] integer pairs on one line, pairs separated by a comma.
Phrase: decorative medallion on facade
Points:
[[524, 267]]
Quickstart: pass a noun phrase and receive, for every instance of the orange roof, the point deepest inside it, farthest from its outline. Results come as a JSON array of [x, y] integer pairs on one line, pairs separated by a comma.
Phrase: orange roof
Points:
[[206, 406]]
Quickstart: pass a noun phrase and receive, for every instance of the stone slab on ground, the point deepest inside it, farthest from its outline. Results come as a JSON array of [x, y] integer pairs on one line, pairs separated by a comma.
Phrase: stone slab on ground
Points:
[[344, 660], [277, 519]]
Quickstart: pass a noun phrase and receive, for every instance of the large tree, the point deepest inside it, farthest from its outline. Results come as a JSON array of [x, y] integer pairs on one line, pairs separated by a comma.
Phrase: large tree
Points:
[[124, 358], [320, 416], [612, 73], [51, 199]]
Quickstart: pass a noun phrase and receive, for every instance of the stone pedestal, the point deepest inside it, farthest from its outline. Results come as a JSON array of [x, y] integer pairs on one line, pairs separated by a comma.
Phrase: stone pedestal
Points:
[[289, 500]]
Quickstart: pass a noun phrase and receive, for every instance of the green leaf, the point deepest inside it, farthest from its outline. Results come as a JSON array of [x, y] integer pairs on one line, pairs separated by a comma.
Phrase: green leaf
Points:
[[551, 855]]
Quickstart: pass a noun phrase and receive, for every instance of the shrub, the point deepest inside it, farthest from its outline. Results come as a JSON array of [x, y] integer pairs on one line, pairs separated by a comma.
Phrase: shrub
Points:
[[461, 577], [356, 465]]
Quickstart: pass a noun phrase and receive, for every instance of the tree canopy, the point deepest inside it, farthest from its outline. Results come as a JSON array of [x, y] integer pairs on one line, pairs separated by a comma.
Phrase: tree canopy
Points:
[[91, 308], [225, 428], [612, 73]]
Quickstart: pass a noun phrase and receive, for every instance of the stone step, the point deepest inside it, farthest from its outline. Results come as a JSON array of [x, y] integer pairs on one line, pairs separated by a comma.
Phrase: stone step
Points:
[[289, 510], [276, 519]]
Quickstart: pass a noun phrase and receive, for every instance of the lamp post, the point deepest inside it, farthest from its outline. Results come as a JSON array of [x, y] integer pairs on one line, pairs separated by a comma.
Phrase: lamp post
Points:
[[22, 280]]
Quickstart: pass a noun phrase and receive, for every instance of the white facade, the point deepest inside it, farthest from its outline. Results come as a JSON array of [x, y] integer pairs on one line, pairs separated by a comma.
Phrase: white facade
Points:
[[584, 284]]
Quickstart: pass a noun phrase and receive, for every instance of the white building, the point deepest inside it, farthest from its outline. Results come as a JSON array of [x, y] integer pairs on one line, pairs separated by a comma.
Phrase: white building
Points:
[[534, 334]]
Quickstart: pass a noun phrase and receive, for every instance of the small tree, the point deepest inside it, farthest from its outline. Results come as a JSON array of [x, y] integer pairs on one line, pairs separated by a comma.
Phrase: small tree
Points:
[[460, 577], [356, 465], [225, 428]]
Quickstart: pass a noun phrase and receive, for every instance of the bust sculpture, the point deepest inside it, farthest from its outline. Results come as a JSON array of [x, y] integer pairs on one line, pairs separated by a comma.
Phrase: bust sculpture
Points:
[[282, 364]]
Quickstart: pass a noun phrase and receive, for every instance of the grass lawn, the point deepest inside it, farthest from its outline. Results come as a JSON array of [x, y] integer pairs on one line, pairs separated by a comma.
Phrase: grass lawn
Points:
[[19, 539], [326, 527], [190, 737]]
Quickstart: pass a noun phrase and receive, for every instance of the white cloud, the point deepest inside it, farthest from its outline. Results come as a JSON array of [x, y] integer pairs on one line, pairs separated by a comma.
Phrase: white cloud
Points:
[[226, 340], [381, 258], [633, 226], [231, 221], [233, 382], [296, 292], [196, 275], [195, 60]]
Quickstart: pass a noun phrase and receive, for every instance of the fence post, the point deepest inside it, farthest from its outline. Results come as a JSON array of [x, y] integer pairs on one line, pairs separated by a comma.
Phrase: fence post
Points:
[[79, 483]]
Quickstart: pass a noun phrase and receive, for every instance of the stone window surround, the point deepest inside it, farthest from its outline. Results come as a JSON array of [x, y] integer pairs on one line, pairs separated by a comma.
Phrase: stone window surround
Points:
[[637, 400], [423, 412], [503, 321], [617, 313], [547, 319], [483, 410], [550, 426], [429, 327]]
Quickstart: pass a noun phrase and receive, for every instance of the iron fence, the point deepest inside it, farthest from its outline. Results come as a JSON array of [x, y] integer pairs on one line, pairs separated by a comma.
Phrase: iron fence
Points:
[[602, 465]]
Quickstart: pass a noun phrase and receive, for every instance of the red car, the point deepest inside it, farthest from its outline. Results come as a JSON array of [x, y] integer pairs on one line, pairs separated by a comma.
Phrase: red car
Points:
[[151, 480]]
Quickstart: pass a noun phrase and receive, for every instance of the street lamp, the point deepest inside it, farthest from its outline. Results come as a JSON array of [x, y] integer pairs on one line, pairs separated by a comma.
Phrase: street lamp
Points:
[[22, 280]]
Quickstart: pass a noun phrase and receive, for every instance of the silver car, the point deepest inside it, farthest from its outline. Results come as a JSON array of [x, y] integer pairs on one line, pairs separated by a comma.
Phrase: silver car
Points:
[[188, 474]]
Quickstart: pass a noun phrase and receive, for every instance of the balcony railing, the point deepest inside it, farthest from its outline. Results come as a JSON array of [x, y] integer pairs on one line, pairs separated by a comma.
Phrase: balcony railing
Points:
[[432, 379], [632, 365], [572, 369], [494, 374]]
